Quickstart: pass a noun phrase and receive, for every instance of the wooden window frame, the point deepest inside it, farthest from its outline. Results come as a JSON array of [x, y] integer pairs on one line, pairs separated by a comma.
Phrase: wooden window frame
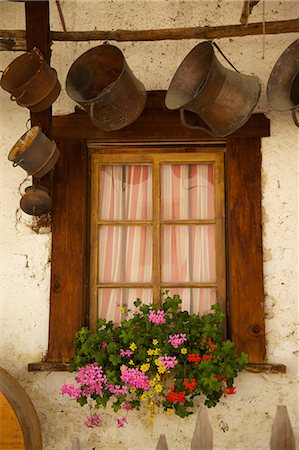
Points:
[[156, 157], [69, 269]]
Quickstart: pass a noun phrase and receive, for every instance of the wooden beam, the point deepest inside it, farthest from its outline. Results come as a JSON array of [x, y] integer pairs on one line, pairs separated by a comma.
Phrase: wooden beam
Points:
[[217, 32], [38, 35], [156, 124]]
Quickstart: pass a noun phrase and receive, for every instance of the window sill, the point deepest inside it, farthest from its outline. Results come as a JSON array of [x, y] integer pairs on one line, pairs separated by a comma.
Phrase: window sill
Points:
[[63, 367]]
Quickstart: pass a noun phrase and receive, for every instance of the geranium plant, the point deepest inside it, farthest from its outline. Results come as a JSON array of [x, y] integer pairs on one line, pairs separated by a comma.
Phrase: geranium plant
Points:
[[160, 358]]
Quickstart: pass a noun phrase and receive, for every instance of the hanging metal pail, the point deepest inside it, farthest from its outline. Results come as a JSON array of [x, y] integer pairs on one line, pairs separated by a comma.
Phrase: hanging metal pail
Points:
[[283, 83], [36, 200], [31, 82], [223, 98], [101, 81], [35, 153]]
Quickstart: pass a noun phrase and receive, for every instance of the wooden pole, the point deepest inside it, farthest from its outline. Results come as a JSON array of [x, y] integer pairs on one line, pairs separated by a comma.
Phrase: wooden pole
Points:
[[218, 32]]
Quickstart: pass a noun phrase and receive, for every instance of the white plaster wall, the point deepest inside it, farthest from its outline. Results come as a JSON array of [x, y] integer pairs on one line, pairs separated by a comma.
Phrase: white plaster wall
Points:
[[244, 421]]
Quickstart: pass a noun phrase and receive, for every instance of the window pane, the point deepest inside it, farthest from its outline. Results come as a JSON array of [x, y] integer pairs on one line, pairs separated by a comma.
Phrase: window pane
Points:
[[125, 192], [187, 191], [125, 254], [195, 301], [111, 300], [188, 253]]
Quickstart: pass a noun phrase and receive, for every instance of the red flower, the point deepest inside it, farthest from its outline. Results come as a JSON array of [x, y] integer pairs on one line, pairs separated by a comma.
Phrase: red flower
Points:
[[231, 390], [190, 385], [206, 357], [176, 397], [194, 357]]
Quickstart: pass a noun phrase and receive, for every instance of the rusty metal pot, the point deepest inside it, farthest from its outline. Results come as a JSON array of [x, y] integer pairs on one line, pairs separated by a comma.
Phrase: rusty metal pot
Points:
[[36, 200], [101, 81], [31, 82], [283, 83], [35, 153], [223, 98]]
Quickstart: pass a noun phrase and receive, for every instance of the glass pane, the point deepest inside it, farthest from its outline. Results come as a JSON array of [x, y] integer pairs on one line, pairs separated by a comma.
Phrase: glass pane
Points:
[[125, 254], [111, 300], [125, 193], [187, 191], [194, 300], [188, 253]]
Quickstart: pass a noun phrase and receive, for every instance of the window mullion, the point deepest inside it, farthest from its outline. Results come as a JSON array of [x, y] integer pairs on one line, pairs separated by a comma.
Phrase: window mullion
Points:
[[156, 232]]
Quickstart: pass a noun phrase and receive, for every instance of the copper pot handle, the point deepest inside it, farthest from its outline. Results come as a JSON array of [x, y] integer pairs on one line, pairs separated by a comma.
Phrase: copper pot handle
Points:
[[13, 98], [295, 119], [16, 163], [192, 127]]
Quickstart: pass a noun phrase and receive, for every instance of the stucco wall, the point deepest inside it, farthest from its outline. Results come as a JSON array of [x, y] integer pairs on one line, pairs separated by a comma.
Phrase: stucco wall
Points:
[[243, 421]]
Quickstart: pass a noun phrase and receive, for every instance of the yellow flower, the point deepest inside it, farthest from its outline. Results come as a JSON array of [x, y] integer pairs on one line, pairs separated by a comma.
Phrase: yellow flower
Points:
[[123, 367], [143, 397], [151, 352], [152, 416], [158, 388], [132, 390], [161, 369], [152, 383], [131, 362], [184, 350], [157, 351], [155, 341], [169, 411], [145, 367], [122, 310], [133, 346], [157, 376], [150, 394]]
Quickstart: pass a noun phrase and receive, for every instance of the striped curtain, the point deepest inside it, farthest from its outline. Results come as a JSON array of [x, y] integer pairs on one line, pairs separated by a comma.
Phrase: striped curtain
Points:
[[125, 251]]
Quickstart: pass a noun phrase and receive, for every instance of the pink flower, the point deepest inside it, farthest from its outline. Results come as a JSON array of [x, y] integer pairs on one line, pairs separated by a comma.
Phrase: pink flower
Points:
[[71, 390], [93, 421], [117, 390], [124, 353], [135, 378], [127, 406], [121, 422], [156, 317], [104, 344], [177, 339], [168, 361]]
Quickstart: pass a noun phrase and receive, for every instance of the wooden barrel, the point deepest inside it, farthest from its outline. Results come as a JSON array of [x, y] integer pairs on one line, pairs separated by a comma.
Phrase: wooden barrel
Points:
[[19, 424]]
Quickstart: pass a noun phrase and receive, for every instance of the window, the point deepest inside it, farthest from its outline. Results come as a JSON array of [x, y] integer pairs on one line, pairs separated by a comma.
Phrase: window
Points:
[[70, 290], [157, 223]]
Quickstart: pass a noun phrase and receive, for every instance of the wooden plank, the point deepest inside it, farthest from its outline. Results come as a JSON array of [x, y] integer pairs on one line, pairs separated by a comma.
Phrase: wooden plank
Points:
[[38, 35], [155, 124], [162, 443], [205, 32], [244, 243], [69, 224], [11, 435], [24, 411], [203, 434], [282, 437]]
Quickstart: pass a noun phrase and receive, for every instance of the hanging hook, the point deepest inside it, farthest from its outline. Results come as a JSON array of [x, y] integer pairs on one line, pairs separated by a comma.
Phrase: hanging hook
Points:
[[28, 120], [222, 54]]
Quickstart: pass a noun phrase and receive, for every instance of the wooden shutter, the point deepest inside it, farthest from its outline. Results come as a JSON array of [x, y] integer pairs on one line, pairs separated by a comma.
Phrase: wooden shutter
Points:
[[68, 260], [244, 244]]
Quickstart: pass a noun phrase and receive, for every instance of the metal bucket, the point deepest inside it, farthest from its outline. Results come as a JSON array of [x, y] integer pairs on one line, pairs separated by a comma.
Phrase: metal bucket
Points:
[[283, 83], [36, 200], [101, 81], [223, 98], [31, 82], [35, 153]]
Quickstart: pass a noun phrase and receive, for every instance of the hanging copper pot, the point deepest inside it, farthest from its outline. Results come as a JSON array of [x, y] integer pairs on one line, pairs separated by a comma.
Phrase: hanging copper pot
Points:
[[31, 82], [223, 98], [36, 200], [283, 83], [101, 81], [35, 153]]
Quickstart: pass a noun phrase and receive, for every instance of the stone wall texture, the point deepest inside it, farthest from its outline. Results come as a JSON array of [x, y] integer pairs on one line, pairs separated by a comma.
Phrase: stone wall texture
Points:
[[244, 421]]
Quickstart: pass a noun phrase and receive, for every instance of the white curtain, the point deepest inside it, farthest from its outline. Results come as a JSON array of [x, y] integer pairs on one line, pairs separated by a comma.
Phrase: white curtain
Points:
[[187, 251]]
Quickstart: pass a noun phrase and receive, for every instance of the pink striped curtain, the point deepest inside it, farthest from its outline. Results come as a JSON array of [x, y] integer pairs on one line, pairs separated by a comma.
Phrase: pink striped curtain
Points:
[[125, 251]]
